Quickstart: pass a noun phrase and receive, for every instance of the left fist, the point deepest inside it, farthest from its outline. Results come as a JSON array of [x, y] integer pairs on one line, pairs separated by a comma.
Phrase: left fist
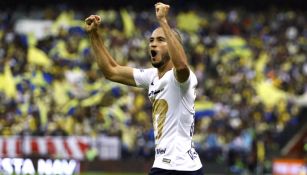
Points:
[[161, 10]]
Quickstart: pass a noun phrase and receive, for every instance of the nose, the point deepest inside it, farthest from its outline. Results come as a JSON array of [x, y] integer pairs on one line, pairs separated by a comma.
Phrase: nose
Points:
[[153, 44]]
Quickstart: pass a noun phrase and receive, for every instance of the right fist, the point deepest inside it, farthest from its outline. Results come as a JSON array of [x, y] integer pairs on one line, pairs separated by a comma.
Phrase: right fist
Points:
[[161, 10], [92, 23]]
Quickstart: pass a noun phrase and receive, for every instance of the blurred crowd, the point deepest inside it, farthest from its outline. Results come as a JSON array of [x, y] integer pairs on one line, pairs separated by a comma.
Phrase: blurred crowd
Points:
[[251, 68]]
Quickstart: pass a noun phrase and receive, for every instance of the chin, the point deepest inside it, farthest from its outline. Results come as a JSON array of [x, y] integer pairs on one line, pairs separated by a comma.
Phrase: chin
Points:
[[157, 64]]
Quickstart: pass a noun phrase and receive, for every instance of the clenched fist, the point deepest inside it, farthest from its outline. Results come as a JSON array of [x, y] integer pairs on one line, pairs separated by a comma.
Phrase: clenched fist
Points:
[[161, 11], [92, 23]]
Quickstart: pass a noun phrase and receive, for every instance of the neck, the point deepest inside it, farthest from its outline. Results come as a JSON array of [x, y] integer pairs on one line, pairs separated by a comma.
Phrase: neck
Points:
[[163, 69]]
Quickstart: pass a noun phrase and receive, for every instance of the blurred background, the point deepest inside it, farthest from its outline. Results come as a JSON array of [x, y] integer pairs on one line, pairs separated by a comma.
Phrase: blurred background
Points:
[[57, 110]]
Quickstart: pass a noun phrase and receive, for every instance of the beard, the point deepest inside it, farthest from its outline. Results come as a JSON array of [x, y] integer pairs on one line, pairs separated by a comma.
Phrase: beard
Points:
[[164, 60]]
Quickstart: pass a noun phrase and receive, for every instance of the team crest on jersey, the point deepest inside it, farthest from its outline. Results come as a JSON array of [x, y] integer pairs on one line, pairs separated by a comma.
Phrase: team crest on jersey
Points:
[[193, 154]]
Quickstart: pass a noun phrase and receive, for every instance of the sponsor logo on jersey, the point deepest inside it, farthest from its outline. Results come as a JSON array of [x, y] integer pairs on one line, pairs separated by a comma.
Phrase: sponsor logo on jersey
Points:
[[155, 92], [165, 160], [160, 151]]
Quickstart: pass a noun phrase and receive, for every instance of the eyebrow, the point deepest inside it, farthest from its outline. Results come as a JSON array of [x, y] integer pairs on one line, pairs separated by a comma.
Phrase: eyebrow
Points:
[[159, 37]]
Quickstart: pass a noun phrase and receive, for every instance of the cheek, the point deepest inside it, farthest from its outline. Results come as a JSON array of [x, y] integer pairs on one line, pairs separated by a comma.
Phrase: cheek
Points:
[[164, 49]]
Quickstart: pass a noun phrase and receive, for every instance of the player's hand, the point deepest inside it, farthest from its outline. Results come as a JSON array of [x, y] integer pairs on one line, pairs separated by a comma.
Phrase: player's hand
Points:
[[161, 11], [92, 23]]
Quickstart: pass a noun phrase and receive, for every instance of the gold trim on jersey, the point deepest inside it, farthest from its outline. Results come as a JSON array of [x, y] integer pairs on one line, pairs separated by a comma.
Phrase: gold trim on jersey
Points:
[[160, 108]]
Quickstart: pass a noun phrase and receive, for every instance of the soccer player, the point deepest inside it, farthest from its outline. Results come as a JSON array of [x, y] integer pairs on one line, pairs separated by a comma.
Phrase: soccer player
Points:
[[171, 89]]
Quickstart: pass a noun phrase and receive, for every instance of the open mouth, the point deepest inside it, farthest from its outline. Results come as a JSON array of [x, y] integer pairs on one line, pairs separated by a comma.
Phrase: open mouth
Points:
[[153, 53]]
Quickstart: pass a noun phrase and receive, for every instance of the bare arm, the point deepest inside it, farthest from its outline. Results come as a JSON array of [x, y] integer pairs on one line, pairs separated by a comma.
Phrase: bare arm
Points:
[[110, 68], [175, 48]]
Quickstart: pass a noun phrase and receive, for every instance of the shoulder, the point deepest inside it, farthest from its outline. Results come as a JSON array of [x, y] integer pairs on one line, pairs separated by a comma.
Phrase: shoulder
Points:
[[143, 77], [145, 71], [193, 76], [192, 80]]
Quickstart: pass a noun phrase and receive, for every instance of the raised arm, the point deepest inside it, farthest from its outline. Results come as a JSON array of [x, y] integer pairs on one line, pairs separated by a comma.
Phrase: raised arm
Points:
[[175, 48], [110, 68]]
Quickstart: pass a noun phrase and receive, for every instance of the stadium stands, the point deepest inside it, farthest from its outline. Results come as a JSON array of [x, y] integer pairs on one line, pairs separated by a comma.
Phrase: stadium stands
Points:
[[251, 68]]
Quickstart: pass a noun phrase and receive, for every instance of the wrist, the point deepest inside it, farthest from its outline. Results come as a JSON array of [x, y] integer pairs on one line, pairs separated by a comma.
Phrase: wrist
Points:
[[163, 21], [93, 35], [93, 32]]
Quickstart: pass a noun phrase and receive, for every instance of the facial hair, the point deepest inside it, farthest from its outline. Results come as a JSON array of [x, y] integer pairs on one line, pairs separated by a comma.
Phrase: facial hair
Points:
[[164, 60]]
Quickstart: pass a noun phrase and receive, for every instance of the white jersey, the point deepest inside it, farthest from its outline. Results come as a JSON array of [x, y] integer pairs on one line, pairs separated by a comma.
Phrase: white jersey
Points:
[[173, 118]]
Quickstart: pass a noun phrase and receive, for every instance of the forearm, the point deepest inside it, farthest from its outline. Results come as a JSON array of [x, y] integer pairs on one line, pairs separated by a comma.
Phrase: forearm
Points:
[[176, 51], [102, 56]]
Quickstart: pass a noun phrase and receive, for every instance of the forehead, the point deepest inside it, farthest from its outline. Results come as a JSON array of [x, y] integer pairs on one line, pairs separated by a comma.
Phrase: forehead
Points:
[[157, 33]]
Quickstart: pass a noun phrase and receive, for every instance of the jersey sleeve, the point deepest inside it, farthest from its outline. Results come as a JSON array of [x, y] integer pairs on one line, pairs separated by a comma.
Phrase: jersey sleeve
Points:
[[190, 82], [142, 77]]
